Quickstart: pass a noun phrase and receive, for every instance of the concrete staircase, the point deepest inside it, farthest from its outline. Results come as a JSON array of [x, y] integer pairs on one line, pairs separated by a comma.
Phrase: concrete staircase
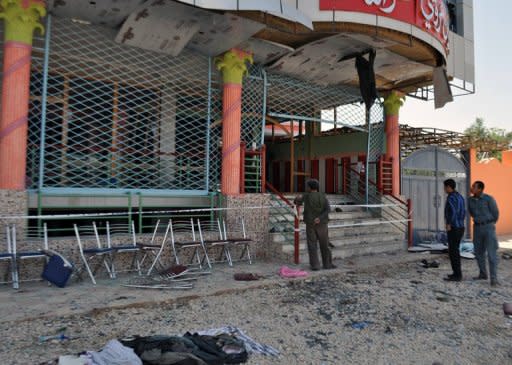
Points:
[[348, 241]]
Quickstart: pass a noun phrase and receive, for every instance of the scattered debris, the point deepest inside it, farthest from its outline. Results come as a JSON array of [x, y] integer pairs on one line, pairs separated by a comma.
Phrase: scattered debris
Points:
[[434, 264], [506, 256], [244, 276], [360, 325], [507, 309], [287, 272]]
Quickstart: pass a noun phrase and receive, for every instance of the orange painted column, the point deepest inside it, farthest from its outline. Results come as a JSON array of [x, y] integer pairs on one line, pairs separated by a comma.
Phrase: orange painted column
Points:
[[233, 66], [392, 104], [21, 18]]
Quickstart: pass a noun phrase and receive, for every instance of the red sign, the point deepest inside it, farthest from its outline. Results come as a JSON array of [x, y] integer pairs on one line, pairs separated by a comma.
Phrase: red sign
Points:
[[429, 15]]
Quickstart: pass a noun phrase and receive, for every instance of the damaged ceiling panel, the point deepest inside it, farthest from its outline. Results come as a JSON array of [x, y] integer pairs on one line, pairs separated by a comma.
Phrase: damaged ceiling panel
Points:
[[331, 61], [278, 8], [110, 13], [265, 52], [160, 26], [319, 61], [221, 32], [168, 26]]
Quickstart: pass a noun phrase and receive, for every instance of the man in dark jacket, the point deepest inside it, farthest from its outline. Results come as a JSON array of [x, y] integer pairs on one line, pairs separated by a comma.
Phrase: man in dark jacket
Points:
[[454, 215], [484, 210], [316, 217]]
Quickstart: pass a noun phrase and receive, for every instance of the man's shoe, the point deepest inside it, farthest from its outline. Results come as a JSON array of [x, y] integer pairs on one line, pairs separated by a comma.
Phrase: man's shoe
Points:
[[331, 267], [494, 283], [452, 278], [480, 277], [315, 269]]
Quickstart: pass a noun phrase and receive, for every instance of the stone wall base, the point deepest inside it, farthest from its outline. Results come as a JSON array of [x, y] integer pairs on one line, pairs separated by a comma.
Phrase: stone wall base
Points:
[[253, 208]]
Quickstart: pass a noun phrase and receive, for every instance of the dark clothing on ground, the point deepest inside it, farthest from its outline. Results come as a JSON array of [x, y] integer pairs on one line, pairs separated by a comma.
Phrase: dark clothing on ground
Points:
[[485, 213], [455, 210], [318, 233], [454, 237], [316, 205]]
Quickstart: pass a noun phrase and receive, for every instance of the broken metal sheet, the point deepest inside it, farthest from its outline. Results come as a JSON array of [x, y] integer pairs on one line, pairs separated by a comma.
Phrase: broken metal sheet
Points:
[[110, 13], [396, 68], [319, 61], [161, 26], [322, 62], [278, 8], [221, 32], [263, 51], [168, 27]]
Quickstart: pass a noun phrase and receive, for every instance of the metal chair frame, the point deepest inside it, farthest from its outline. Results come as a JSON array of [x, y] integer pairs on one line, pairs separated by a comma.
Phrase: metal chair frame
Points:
[[131, 248], [187, 228], [104, 254], [235, 241], [10, 255], [213, 228]]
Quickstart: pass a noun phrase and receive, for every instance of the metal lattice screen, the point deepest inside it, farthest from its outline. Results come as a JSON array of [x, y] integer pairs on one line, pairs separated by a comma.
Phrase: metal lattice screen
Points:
[[376, 142], [117, 116], [292, 99]]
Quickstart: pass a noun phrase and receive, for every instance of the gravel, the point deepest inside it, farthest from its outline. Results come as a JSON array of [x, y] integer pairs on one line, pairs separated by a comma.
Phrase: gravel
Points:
[[406, 315]]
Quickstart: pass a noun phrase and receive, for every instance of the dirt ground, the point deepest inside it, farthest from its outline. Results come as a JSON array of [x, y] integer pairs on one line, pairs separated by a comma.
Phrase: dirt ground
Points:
[[399, 313]]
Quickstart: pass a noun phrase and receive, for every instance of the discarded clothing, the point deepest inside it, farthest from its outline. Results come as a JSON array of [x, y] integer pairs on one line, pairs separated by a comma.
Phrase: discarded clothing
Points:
[[467, 247], [75, 360], [246, 277], [250, 345], [114, 353], [228, 349], [287, 272], [162, 350]]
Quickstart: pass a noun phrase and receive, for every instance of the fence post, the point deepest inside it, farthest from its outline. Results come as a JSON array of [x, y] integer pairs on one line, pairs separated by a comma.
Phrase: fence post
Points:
[[263, 163], [409, 223], [296, 237]]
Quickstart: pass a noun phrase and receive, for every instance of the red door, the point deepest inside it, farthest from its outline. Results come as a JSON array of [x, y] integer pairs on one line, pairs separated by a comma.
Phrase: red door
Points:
[[301, 179], [330, 174], [315, 169]]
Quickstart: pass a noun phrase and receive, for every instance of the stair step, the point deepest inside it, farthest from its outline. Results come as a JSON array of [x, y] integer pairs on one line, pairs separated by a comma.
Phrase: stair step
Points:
[[361, 250], [382, 232], [341, 243]]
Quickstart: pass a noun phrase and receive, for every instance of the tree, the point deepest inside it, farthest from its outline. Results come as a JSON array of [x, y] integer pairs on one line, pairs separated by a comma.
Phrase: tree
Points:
[[492, 139]]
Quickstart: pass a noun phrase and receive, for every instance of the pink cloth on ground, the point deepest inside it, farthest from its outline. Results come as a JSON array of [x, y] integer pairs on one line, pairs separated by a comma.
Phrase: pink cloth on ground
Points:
[[287, 272]]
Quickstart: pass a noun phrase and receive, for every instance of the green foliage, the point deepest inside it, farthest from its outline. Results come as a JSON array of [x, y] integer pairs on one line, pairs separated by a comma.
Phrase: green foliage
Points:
[[494, 137]]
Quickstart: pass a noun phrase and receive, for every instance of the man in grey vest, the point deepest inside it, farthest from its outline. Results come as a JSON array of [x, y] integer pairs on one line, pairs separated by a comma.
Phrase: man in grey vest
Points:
[[484, 210], [316, 217]]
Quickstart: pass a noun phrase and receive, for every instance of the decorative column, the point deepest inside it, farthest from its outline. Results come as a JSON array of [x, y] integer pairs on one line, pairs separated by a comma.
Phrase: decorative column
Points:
[[392, 104], [21, 19], [233, 66]]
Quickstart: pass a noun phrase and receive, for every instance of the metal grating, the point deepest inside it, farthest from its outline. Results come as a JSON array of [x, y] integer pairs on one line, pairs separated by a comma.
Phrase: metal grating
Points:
[[118, 117], [290, 98]]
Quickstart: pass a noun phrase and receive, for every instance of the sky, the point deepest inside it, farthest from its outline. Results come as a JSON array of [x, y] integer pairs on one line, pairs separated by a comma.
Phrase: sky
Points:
[[493, 61]]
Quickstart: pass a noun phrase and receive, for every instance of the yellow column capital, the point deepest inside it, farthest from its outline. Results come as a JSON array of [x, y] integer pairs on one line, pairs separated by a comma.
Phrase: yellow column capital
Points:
[[21, 18], [393, 102], [233, 65]]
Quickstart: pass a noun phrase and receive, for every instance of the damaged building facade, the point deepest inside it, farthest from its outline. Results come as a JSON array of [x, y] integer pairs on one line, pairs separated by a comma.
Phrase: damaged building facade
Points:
[[138, 106]]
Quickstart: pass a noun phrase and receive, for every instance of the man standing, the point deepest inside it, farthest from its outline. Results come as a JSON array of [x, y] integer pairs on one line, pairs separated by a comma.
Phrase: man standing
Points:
[[454, 215], [316, 217], [484, 211]]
